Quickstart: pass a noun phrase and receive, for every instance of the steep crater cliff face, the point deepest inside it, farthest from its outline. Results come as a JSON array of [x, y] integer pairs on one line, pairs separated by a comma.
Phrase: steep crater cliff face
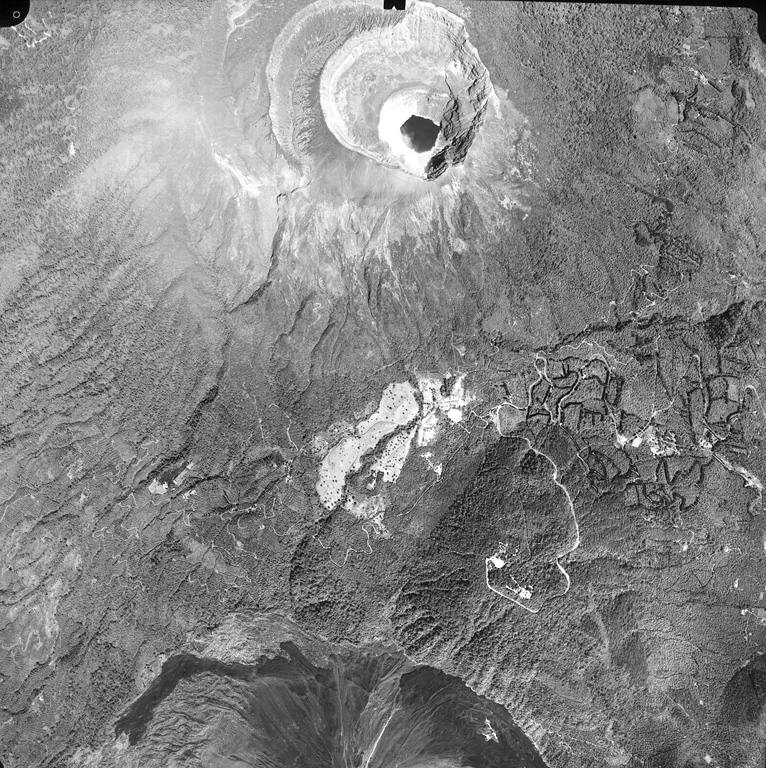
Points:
[[422, 65], [352, 74]]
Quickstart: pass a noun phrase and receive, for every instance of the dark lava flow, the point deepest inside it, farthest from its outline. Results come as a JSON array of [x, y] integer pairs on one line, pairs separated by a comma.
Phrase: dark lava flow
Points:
[[357, 709], [419, 133]]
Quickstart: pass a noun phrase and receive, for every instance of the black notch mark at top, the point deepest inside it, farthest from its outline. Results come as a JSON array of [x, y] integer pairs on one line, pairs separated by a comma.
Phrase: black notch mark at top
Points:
[[756, 7], [13, 12]]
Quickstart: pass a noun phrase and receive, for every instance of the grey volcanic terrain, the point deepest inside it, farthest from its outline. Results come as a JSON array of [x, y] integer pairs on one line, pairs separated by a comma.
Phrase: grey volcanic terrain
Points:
[[382, 388], [350, 707]]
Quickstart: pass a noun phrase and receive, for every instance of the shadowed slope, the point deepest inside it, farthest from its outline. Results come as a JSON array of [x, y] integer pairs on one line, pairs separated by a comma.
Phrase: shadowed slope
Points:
[[360, 708]]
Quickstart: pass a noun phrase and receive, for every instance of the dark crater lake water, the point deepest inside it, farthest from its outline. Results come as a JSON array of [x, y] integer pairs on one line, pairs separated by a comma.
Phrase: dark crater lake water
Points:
[[420, 133]]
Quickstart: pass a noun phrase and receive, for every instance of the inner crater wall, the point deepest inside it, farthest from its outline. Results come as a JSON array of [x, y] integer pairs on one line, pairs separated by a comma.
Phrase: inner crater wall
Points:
[[422, 64]]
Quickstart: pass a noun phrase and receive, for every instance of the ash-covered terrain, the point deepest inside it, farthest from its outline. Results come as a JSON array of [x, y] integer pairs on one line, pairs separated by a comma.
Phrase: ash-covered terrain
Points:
[[310, 703], [380, 387]]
